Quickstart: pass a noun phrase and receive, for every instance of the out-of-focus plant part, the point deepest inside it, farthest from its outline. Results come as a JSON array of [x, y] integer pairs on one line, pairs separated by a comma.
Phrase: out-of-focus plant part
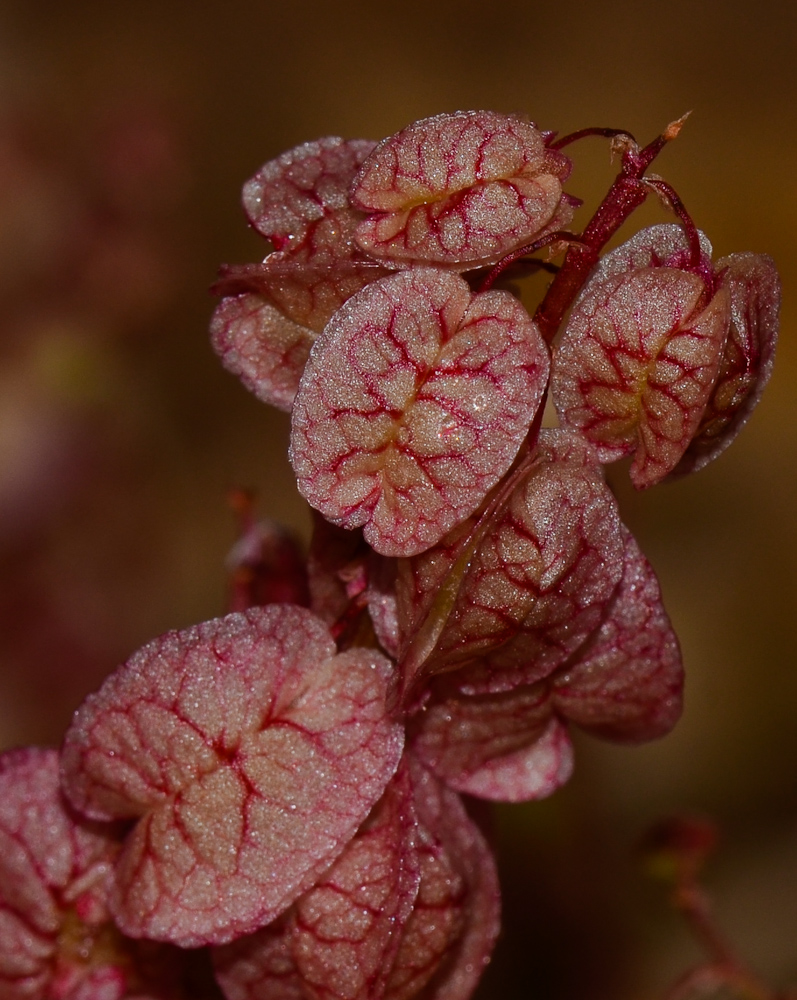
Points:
[[266, 565], [96, 256], [93, 256], [676, 850]]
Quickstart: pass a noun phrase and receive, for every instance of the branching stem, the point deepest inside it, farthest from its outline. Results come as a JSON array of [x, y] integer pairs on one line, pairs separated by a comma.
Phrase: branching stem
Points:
[[625, 195]]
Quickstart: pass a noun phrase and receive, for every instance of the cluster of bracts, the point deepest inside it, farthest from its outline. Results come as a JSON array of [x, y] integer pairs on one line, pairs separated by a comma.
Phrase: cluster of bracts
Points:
[[275, 795]]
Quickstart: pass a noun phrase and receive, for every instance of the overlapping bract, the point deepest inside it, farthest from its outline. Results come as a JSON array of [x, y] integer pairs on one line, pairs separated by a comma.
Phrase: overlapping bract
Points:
[[410, 908], [520, 596], [665, 354], [272, 312], [459, 190], [544, 612], [222, 742], [623, 683]]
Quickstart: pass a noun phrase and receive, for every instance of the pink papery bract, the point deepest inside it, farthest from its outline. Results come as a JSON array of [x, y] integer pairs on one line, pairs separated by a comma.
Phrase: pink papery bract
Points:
[[248, 751], [641, 353], [747, 358], [413, 405], [449, 938], [514, 598], [625, 684], [264, 349], [459, 190], [505, 747], [410, 909], [54, 874], [663, 245], [341, 937], [271, 312]]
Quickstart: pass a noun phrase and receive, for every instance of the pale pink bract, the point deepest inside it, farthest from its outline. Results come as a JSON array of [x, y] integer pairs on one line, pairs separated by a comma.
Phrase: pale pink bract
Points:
[[413, 405], [459, 190], [272, 312], [641, 353], [222, 741]]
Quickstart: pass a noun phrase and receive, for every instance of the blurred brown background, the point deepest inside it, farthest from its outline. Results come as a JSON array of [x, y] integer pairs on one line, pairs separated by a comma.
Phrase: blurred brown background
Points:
[[126, 131]]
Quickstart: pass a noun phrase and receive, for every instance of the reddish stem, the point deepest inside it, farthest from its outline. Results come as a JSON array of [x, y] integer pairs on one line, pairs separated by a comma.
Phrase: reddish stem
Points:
[[724, 966], [625, 195], [672, 199], [560, 236], [583, 133]]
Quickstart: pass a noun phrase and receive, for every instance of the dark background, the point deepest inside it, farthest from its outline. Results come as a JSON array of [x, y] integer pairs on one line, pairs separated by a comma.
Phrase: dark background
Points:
[[126, 131]]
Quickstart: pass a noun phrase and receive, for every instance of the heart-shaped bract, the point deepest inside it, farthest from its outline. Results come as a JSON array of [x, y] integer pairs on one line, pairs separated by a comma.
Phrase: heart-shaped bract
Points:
[[642, 351], [413, 405], [459, 190], [223, 741], [271, 312], [513, 599]]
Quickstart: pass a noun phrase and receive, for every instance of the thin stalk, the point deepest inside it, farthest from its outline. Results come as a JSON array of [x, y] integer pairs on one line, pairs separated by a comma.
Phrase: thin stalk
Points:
[[625, 195]]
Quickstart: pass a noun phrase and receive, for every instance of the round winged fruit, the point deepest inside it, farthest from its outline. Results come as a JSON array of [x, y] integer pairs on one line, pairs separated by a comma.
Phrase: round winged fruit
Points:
[[413, 405], [223, 743], [272, 312], [460, 191], [642, 351]]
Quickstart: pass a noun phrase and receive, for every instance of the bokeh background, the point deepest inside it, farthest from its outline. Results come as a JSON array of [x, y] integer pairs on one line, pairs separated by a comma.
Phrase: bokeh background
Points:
[[126, 131]]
